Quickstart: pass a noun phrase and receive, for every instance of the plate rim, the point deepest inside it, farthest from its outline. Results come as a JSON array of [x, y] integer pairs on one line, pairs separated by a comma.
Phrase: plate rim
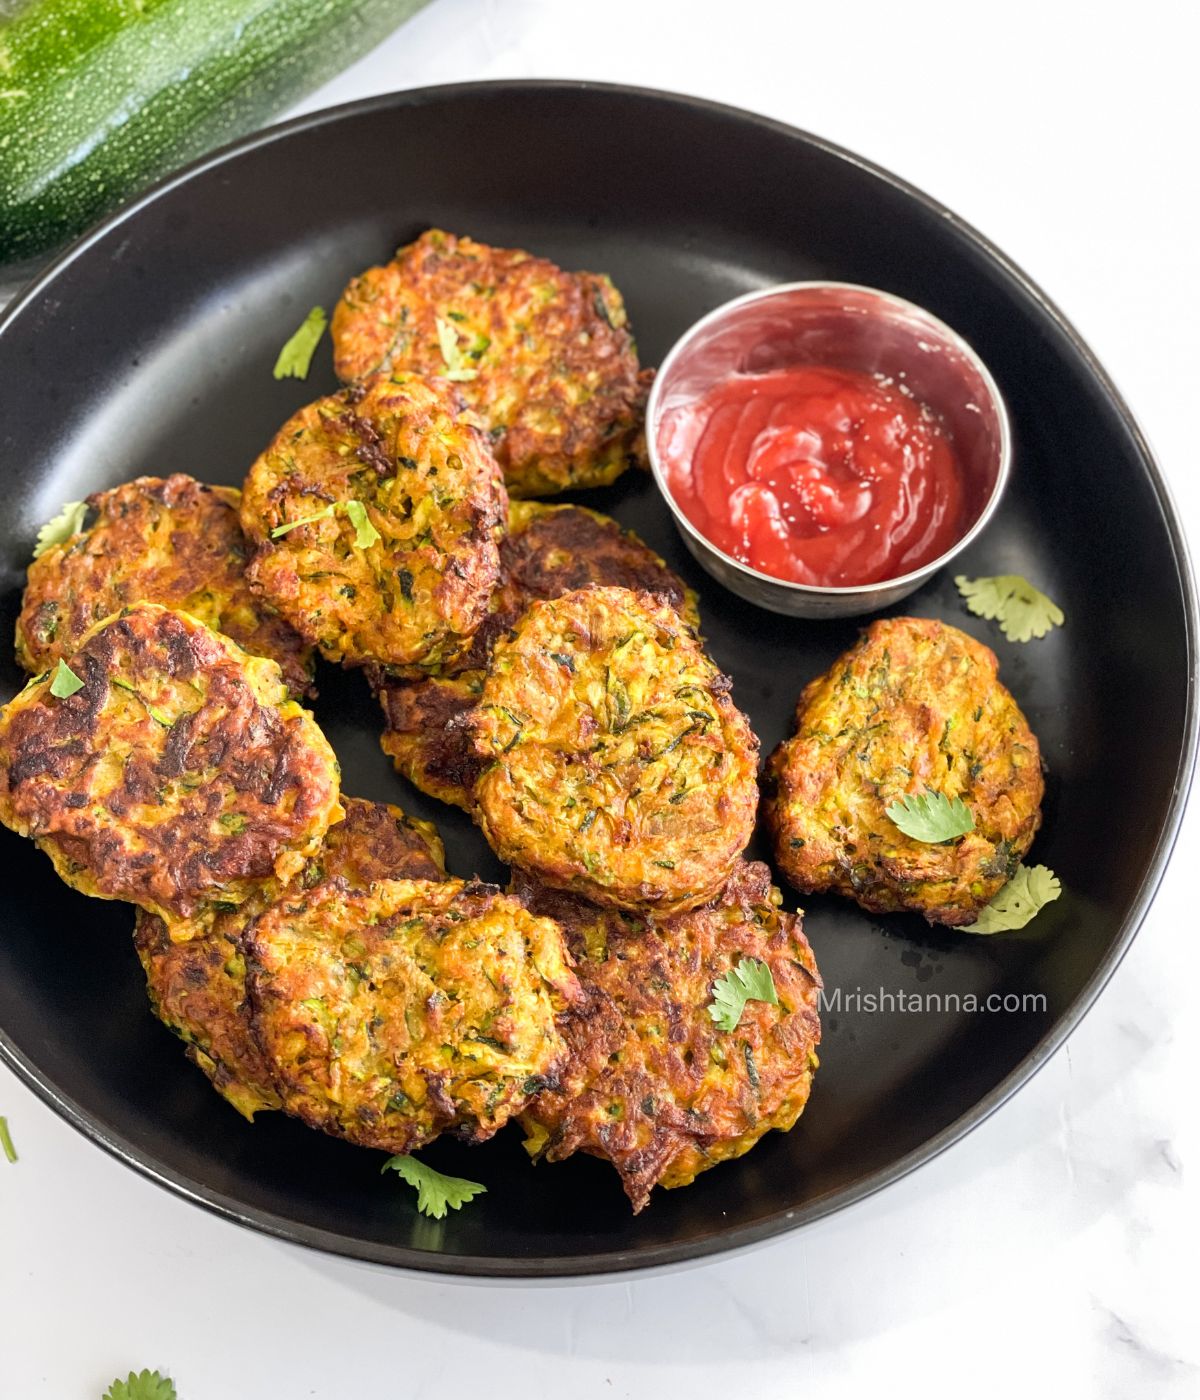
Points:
[[717, 1243]]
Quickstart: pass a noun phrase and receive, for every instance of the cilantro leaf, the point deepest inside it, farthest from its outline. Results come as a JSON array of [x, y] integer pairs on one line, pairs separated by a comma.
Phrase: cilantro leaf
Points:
[[68, 522], [6, 1142], [1024, 612], [434, 1191], [145, 1385], [296, 355], [280, 530], [65, 681], [931, 816], [750, 980], [365, 534], [1029, 890], [452, 352]]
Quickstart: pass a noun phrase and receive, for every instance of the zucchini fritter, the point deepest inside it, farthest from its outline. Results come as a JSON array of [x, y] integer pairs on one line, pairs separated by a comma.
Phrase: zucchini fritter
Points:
[[551, 550], [375, 841], [915, 705], [548, 551], [427, 735], [545, 357], [179, 776], [392, 1015], [617, 764], [652, 1085], [392, 464], [173, 541], [198, 986], [198, 989]]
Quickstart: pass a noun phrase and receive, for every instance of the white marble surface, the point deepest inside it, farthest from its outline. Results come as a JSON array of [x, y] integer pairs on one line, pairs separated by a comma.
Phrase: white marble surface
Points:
[[1050, 1253]]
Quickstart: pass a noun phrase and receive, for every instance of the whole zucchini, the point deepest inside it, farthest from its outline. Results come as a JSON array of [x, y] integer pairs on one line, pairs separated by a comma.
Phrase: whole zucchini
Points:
[[98, 97]]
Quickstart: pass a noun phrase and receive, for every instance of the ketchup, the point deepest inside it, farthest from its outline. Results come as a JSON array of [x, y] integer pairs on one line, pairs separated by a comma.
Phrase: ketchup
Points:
[[818, 475]]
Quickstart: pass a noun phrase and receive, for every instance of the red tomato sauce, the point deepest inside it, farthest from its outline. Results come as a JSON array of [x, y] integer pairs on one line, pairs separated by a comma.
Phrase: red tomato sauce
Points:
[[823, 476]]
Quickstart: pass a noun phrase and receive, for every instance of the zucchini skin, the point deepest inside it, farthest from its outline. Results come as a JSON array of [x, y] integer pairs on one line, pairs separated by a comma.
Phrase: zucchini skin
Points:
[[100, 97]]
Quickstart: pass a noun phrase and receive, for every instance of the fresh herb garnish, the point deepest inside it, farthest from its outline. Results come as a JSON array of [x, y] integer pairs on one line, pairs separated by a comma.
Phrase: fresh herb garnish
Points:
[[296, 355], [65, 681], [68, 522], [280, 530], [365, 534], [145, 1385], [452, 352], [1029, 890], [1023, 612], [435, 1192], [750, 980], [6, 1142], [931, 816]]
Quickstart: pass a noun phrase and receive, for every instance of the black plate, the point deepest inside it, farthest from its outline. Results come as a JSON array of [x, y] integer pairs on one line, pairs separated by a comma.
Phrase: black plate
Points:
[[148, 348]]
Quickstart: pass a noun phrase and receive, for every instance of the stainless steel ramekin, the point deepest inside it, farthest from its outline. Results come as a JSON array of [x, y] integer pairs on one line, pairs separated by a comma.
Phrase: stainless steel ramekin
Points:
[[852, 327]]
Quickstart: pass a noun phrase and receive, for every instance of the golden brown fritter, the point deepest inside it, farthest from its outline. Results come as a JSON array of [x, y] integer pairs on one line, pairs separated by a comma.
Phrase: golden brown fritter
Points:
[[427, 734], [375, 517], [617, 764], [198, 989], [375, 841], [198, 986], [179, 777], [548, 551], [545, 357], [652, 1084], [915, 706], [390, 1016], [168, 540], [551, 550]]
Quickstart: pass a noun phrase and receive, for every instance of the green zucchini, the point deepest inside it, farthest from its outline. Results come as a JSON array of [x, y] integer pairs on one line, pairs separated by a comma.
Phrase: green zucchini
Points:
[[99, 97]]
